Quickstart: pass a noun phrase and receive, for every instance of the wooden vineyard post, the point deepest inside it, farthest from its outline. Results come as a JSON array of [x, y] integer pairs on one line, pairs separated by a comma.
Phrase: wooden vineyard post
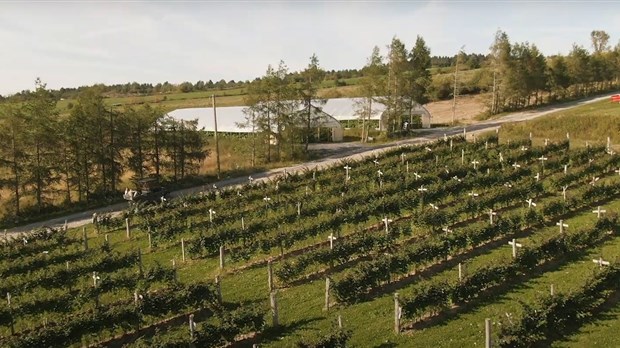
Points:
[[174, 270], [397, 313], [552, 290], [127, 228], [8, 299], [218, 288], [274, 308], [85, 238], [327, 285], [487, 333], [221, 256], [140, 262], [269, 275]]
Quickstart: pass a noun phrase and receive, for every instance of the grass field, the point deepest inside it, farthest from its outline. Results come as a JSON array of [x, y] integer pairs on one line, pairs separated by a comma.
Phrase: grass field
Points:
[[592, 123]]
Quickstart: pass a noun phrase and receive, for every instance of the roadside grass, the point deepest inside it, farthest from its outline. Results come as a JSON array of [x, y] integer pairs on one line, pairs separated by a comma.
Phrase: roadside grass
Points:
[[591, 122]]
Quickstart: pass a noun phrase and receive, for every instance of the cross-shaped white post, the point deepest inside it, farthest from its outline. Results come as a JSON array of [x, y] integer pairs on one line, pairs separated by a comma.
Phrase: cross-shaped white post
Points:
[[211, 213], [447, 230], [617, 171], [386, 222], [331, 239], [379, 173], [601, 262], [546, 141], [507, 184], [594, 180], [537, 176], [523, 148], [376, 162], [346, 168], [566, 169], [95, 279], [422, 189], [475, 163], [516, 165], [433, 206], [416, 175], [462, 156], [515, 245], [599, 211], [456, 178], [542, 162], [250, 179], [530, 203], [472, 194], [564, 192], [501, 158], [562, 226], [428, 149], [267, 199], [491, 214]]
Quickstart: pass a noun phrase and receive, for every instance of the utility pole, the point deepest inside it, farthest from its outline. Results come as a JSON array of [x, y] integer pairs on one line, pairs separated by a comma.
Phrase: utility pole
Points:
[[217, 144], [456, 74]]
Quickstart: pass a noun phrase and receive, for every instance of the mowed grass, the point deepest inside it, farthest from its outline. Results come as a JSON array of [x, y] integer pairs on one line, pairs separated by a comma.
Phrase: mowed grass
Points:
[[591, 122]]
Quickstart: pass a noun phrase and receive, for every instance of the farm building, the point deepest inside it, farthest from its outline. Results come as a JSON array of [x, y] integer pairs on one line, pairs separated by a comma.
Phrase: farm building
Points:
[[330, 116], [234, 119], [344, 109]]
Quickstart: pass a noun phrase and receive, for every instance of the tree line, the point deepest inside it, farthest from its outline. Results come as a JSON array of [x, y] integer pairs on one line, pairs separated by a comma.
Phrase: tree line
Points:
[[82, 156]]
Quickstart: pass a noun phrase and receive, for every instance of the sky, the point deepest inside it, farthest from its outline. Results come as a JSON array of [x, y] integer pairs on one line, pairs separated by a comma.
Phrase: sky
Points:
[[71, 44]]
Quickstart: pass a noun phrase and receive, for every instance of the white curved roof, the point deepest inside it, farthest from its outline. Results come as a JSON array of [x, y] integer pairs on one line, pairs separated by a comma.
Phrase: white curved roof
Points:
[[344, 109], [230, 118]]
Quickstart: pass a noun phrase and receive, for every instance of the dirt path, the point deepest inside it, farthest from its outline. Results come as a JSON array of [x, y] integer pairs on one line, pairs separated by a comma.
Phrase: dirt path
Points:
[[332, 154]]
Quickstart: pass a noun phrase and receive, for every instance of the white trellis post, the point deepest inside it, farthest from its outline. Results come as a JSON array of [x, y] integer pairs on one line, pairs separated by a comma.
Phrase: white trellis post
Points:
[[422, 189], [242, 224], [601, 262], [407, 168], [594, 180], [386, 223], [562, 226], [417, 176], [564, 188], [433, 206], [331, 239], [183, 249], [397, 314], [221, 256], [460, 272], [211, 213], [608, 147], [451, 145], [192, 326], [462, 156], [552, 290], [486, 144], [617, 171], [274, 308], [127, 228], [150, 242], [65, 226], [546, 142], [530, 203], [514, 245], [298, 208], [516, 165], [95, 279], [487, 333], [491, 214], [269, 275], [542, 162], [339, 321], [347, 177], [402, 158], [566, 169], [447, 230], [599, 211], [501, 158], [473, 194], [537, 177]]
